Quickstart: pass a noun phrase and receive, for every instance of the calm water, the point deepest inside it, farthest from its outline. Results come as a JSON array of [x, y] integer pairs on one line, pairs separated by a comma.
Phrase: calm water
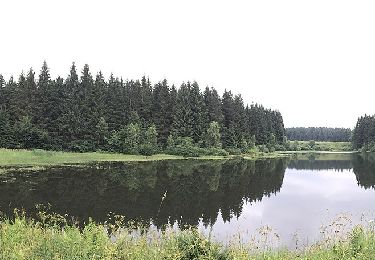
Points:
[[224, 198]]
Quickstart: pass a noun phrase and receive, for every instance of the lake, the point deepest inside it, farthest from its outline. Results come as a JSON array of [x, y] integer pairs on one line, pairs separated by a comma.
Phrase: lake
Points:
[[231, 199]]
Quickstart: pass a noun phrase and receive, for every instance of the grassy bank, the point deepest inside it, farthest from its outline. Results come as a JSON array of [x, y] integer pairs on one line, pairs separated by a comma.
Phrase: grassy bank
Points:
[[320, 146], [26, 239], [10, 157]]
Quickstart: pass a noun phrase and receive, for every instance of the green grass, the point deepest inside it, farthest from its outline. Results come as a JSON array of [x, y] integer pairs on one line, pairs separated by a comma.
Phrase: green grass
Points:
[[324, 146], [9, 157], [26, 239]]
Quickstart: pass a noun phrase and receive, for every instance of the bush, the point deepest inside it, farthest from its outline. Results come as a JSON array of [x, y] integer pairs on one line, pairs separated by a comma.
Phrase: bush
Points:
[[263, 149], [147, 149], [234, 151], [216, 152], [81, 146], [184, 146], [193, 245], [280, 147], [186, 151]]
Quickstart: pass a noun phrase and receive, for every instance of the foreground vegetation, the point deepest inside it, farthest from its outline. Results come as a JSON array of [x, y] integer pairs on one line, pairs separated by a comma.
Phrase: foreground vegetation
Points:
[[23, 238]]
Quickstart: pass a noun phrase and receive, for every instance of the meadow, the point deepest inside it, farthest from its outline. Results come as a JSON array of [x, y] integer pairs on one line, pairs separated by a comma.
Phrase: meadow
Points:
[[12, 157]]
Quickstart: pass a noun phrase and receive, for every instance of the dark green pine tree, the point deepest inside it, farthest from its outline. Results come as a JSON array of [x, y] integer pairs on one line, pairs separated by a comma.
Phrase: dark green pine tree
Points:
[[88, 110], [278, 126], [364, 133], [2, 81], [145, 110], [133, 96], [5, 130], [19, 101], [212, 106], [10, 99], [239, 120], [116, 111], [2, 93], [55, 109], [30, 95], [196, 105], [228, 110], [70, 118], [98, 94], [183, 116], [161, 111], [45, 105]]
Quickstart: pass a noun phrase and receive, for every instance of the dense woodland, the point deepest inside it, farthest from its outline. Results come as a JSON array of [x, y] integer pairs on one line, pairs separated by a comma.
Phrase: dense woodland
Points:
[[86, 113], [364, 133], [319, 134]]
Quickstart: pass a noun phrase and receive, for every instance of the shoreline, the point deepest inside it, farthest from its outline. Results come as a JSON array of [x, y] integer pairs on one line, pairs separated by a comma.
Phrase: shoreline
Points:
[[35, 158], [10, 157]]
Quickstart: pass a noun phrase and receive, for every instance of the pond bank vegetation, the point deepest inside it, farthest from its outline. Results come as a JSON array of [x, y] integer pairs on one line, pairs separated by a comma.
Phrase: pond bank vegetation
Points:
[[10, 157], [37, 157], [53, 238]]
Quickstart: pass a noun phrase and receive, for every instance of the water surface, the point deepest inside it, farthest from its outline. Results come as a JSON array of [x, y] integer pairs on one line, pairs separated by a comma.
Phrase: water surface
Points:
[[222, 197]]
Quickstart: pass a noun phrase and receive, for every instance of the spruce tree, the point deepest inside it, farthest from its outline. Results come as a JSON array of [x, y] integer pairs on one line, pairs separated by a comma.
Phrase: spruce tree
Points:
[[162, 111], [183, 119], [228, 110]]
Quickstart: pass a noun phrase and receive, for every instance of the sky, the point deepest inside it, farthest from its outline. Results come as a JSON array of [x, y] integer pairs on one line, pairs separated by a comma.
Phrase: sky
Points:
[[314, 61]]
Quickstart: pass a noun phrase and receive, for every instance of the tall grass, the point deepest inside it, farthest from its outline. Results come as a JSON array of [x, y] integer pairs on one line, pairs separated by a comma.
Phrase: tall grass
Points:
[[24, 238], [10, 157]]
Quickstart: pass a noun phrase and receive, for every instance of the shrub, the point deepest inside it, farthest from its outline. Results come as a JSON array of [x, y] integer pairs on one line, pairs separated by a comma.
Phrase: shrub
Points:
[[193, 245], [147, 149], [184, 146], [263, 149], [234, 151], [216, 152], [81, 146]]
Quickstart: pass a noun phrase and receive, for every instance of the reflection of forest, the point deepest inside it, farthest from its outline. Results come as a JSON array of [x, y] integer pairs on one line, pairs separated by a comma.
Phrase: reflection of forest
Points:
[[193, 189], [363, 166], [312, 164], [321, 161], [364, 169]]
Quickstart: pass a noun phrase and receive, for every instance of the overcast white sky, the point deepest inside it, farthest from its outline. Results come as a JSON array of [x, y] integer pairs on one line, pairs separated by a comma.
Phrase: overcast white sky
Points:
[[312, 60]]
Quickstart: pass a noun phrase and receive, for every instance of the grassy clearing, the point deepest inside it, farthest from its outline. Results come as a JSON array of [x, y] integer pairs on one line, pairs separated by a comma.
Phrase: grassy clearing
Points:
[[10, 157], [34, 158], [334, 146], [26, 239], [321, 146]]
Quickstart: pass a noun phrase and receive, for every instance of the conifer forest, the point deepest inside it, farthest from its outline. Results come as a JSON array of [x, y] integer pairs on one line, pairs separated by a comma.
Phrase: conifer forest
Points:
[[85, 112]]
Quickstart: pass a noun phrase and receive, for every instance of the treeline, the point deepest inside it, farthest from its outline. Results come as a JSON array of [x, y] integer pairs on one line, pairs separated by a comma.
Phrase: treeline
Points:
[[364, 133], [319, 134], [86, 113]]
